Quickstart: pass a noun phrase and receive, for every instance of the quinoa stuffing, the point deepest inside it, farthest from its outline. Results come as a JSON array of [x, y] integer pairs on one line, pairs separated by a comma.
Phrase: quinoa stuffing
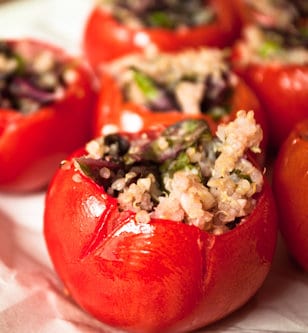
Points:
[[191, 81], [167, 14], [183, 174], [29, 81], [280, 33]]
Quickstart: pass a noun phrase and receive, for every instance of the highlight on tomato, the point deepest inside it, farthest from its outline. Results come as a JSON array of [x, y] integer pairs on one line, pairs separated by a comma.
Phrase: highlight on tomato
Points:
[[117, 28], [290, 185], [145, 90], [272, 57], [46, 105], [163, 230]]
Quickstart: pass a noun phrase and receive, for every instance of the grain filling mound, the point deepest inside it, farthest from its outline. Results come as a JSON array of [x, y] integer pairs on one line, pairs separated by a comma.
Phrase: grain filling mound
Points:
[[183, 174], [31, 76], [280, 33]]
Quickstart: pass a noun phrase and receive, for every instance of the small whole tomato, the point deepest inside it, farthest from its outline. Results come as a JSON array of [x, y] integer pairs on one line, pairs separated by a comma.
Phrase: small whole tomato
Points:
[[46, 105], [181, 268], [290, 185], [106, 38]]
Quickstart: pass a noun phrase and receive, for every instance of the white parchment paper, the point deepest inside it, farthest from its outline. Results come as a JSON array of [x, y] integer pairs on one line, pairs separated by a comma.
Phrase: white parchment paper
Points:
[[32, 298]]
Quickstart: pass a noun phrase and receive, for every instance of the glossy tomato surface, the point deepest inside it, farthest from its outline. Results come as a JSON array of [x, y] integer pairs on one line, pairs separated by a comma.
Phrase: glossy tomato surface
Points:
[[105, 39], [290, 184], [32, 145], [283, 90], [161, 276]]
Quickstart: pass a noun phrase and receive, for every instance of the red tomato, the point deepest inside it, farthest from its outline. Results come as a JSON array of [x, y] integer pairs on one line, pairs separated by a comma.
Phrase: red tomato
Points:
[[290, 185], [283, 90], [105, 39], [113, 113], [33, 144], [152, 277], [280, 83]]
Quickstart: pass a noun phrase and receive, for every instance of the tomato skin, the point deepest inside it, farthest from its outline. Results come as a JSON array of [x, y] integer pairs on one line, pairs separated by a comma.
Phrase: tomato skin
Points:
[[32, 146], [112, 113], [105, 39], [282, 90], [161, 276], [290, 185]]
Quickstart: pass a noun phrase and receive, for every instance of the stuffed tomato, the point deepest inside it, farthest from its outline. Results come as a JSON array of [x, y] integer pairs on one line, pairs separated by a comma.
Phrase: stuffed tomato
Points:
[[46, 105], [163, 230], [116, 28], [290, 185], [153, 89], [272, 57]]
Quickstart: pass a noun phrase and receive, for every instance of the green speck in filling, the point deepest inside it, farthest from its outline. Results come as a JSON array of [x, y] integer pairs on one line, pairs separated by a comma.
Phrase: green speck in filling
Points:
[[269, 48], [160, 19], [242, 175], [146, 85], [176, 138], [303, 31], [181, 162], [218, 112]]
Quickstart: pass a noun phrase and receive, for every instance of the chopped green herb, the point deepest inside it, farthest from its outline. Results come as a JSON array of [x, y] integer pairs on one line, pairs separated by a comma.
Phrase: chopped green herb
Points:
[[242, 175], [146, 85], [182, 162], [268, 48], [176, 138], [217, 112], [85, 168], [303, 31], [160, 19]]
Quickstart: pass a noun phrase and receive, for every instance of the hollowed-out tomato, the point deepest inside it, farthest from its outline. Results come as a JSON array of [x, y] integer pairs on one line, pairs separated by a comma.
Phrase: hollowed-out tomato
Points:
[[46, 105], [134, 263], [272, 57], [107, 38]]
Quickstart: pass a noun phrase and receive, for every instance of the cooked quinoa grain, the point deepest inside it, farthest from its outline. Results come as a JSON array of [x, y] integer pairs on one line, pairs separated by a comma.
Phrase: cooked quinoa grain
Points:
[[183, 174]]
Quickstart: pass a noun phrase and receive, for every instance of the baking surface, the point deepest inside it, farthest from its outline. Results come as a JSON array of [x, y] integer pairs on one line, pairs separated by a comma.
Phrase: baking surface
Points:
[[32, 298]]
